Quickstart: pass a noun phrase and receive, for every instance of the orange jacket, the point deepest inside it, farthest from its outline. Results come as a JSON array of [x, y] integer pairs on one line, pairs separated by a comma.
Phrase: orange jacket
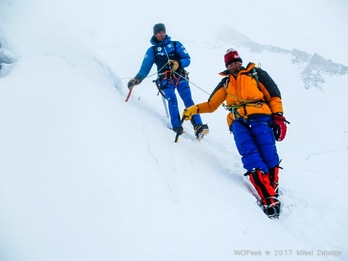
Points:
[[244, 95]]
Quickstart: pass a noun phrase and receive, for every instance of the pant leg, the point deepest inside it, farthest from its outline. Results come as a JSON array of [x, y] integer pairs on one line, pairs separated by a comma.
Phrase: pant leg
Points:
[[186, 96], [169, 93], [265, 141], [256, 143], [247, 147]]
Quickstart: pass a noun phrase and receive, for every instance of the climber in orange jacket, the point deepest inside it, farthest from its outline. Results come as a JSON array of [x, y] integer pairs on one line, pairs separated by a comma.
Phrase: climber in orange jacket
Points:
[[256, 120]]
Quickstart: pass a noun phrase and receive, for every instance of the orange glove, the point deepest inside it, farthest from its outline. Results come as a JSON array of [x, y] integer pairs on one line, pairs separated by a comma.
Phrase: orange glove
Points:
[[188, 112], [174, 64]]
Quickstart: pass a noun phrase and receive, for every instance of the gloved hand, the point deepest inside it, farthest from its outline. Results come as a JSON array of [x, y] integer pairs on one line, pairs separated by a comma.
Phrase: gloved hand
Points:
[[188, 112], [279, 126], [133, 82], [174, 64]]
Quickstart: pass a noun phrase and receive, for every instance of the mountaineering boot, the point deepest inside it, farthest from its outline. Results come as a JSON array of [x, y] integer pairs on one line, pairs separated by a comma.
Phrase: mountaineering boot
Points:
[[269, 201], [201, 130], [270, 206]]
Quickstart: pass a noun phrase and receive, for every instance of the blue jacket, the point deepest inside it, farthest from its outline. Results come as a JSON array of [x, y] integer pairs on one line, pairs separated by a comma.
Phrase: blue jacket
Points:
[[159, 53]]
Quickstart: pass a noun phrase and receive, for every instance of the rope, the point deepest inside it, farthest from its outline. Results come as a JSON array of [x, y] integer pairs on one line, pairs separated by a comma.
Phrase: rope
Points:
[[181, 75], [156, 73], [192, 83], [128, 78]]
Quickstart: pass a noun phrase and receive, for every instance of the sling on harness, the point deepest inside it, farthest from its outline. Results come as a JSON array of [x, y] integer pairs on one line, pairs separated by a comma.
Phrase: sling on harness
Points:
[[233, 108]]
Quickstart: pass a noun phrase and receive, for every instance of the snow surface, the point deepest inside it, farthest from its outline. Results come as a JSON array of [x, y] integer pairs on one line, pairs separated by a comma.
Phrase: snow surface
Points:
[[86, 176]]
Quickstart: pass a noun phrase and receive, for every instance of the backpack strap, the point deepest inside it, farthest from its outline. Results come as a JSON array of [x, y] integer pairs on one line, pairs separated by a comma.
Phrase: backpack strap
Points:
[[254, 74], [256, 77], [174, 42], [226, 81]]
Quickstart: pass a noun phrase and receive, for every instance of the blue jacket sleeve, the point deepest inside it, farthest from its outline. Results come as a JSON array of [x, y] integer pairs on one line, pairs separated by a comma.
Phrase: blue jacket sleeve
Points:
[[185, 58], [146, 65]]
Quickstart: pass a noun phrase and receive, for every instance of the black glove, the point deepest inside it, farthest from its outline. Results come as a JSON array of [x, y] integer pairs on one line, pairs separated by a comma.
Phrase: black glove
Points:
[[132, 83]]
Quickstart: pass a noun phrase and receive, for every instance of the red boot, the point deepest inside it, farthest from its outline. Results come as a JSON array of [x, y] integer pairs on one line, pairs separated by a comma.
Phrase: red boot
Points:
[[269, 201]]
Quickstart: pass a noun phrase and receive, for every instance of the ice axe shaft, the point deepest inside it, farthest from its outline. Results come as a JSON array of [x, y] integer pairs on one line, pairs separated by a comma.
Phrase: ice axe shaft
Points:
[[129, 93]]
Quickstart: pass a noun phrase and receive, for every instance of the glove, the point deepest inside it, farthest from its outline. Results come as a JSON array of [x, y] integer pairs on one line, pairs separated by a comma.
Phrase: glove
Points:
[[279, 126], [188, 112], [174, 64], [133, 82]]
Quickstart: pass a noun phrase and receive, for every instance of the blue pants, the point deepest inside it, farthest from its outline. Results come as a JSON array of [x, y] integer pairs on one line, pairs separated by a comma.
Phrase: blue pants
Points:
[[255, 142], [168, 87]]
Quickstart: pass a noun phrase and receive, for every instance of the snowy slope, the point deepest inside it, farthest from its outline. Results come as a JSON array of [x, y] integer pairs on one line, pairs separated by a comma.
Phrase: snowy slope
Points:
[[86, 176]]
